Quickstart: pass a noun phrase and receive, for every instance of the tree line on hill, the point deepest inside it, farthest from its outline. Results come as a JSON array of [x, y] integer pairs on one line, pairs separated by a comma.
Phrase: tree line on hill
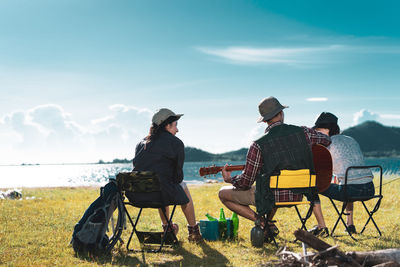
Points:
[[375, 139]]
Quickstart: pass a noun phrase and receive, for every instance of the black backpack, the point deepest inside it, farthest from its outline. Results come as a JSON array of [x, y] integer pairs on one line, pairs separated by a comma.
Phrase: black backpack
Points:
[[89, 234]]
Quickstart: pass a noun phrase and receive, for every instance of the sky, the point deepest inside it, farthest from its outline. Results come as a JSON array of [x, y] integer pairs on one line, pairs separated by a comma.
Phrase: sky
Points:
[[80, 80]]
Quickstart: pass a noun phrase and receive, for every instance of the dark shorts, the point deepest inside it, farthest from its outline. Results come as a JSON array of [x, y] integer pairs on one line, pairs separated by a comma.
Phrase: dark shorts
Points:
[[336, 191]]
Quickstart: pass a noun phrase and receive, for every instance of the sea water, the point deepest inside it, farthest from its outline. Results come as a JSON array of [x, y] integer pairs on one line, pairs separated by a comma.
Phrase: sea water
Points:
[[98, 174]]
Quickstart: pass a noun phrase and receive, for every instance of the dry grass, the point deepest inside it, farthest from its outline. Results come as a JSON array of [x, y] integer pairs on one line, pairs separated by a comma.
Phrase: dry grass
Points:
[[38, 231]]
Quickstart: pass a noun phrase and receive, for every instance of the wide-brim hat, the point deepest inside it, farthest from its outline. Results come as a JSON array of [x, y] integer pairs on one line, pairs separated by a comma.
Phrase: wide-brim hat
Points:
[[269, 107], [163, 114]]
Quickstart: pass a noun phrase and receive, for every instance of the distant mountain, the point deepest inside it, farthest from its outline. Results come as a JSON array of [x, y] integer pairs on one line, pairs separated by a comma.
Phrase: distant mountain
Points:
[[375, 139], [195, 154]]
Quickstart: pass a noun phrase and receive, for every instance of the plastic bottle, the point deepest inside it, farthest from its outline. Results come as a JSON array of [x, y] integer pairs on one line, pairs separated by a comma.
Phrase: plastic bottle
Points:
[[222, 224], [211, 218], [235, 223]]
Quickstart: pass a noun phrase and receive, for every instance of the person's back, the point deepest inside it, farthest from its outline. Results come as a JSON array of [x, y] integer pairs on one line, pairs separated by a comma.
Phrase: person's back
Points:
[[164, 156], [164, 153], [346, 152], [161, 155], [285, 147]]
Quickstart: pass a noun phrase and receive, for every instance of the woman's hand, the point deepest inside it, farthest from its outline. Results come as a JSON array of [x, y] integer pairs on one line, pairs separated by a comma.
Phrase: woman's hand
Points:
[[226, 174]]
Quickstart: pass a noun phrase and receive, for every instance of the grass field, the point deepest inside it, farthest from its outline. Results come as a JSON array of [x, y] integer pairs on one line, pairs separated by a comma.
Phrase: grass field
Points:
[[36, 232]]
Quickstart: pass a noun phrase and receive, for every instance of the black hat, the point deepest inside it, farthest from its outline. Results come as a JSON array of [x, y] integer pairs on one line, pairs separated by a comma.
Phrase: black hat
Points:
[[326, 118]]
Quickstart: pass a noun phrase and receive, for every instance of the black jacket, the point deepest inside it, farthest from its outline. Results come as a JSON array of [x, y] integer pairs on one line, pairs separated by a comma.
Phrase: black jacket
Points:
[[165, 156]]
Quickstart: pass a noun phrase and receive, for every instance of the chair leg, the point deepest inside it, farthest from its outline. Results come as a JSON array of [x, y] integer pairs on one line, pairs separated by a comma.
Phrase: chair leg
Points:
[[304, 220], [370, 214], [133, 226], [169, 226], [340, 218]]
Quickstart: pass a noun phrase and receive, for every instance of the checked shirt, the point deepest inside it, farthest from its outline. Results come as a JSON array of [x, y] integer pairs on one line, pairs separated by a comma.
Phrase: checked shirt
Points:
[[254, 163]]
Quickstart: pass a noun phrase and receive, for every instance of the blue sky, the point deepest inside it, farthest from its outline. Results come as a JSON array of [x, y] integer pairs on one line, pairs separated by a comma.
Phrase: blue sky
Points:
[[79, 80]]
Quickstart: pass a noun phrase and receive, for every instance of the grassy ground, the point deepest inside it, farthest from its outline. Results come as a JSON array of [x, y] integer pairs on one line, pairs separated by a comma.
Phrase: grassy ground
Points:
[[37, 231]]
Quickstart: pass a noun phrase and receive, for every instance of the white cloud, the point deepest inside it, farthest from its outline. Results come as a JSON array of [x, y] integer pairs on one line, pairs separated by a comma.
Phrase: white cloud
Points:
[[276, 55], [390, 116], [306, 56], [317, 99], [366, 115], [49, 134], [255, 133]]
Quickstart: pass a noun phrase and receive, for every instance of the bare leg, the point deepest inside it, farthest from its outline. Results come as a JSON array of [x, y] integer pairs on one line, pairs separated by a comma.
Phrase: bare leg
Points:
[[225, 195], [319, 216], [188, 209], [349, 209], [163, 219]]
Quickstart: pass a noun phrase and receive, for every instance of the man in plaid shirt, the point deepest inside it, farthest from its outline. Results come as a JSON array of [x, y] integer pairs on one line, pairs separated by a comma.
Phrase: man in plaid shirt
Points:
[[241, 194]]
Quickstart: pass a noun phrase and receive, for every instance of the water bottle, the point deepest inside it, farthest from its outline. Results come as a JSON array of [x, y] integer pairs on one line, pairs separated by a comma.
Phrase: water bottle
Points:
[[222, 224], [211, 218], [235, 223]]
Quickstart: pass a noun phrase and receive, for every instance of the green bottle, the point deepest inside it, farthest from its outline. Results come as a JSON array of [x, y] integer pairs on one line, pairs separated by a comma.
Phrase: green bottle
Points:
[[210, 218], [235, 223], [222, 223]]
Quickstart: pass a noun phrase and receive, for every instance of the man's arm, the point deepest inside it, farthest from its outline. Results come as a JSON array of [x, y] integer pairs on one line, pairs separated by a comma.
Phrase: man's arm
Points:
[[314, 137], [253, 165]]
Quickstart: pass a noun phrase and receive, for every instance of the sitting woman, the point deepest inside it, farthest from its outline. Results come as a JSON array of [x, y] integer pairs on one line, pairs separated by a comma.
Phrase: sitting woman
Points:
[[345, 152], [163, 153]]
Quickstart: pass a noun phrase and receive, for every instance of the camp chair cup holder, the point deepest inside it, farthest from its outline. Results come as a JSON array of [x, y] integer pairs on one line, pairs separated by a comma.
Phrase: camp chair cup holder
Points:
[[348, 199]]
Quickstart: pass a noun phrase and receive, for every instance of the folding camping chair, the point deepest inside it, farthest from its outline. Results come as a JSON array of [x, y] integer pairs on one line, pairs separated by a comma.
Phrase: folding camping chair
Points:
[[142, 189], [299, 181], [348, 199]]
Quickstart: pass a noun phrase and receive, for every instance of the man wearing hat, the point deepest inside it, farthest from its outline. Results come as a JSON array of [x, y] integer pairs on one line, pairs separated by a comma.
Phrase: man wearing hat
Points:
[[282, 147]]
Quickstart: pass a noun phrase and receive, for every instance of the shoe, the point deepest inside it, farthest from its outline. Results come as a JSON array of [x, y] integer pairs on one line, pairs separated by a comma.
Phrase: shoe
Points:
[[321, 232], [175, 228], [194, 233], [352, 229]]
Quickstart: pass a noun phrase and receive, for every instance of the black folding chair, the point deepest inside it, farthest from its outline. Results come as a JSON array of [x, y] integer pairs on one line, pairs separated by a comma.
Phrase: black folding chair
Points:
[[348, 199], [142, 189]]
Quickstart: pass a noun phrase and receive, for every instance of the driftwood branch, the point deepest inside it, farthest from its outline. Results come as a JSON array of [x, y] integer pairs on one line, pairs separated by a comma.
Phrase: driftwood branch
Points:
[[327, 255], [371, 258], [387, 264], [311, 240], [320, 245]]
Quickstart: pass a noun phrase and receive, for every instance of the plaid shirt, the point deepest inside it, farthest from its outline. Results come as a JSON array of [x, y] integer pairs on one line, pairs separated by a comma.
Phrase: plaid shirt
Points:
[[254, 160]]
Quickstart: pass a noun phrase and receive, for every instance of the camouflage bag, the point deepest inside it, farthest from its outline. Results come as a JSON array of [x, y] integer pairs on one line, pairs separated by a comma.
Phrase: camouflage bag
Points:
[[138, 181]]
